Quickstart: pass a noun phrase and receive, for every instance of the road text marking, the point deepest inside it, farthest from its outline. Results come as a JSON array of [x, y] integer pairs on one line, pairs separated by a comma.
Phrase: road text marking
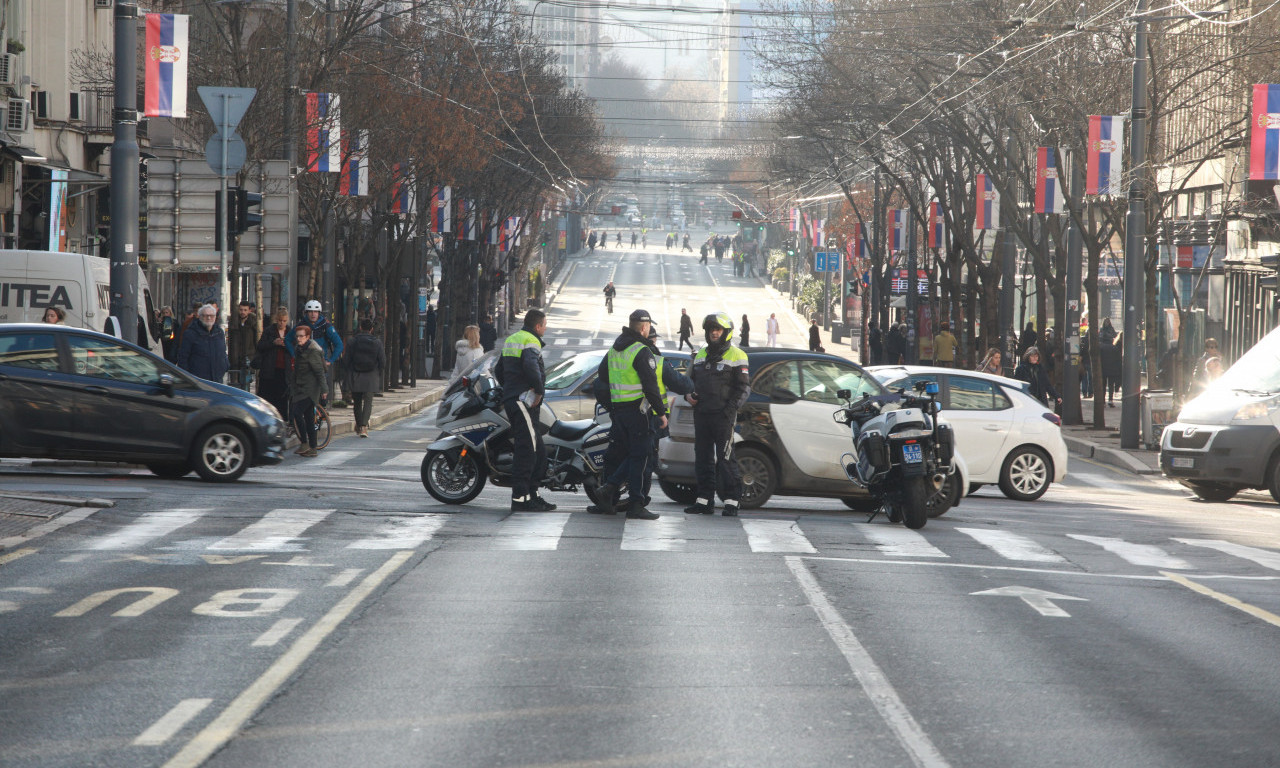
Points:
[[165, 728], [1039, 599]]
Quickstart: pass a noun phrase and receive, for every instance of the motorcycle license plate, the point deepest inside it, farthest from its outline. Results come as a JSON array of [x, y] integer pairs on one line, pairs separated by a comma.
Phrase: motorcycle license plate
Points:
[[911, 453], [1184, 462]]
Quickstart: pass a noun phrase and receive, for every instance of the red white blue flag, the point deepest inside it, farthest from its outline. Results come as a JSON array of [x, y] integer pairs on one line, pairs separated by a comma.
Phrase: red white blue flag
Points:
[[1264, 139], [1048, 181], [819, 232], [324, 133], [1105, 162], [987, 204], [510, 236], [898, 229], [403, 195], [166, 67], [795, 219], [858, 243], [354, 181], [468, 220], [935, 224], [442, 210]]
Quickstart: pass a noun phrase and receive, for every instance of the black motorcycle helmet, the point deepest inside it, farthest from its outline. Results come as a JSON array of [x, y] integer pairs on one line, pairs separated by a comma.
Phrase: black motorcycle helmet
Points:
[[718, 320]]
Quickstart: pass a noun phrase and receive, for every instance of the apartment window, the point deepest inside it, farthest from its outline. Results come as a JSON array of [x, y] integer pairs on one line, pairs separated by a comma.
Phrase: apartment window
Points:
[[40, 104]]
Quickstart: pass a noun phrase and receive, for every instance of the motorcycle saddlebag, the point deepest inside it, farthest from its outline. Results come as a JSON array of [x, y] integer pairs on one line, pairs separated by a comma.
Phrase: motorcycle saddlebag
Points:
[[946, 444], [876, 450]]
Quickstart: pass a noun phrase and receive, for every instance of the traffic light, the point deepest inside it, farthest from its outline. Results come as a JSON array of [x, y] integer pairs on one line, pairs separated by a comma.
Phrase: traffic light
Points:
[[225, 210], [248, 211]]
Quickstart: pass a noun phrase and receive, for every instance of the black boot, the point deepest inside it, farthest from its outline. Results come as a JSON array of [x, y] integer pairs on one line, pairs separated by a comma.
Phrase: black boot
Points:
[[731, 508]]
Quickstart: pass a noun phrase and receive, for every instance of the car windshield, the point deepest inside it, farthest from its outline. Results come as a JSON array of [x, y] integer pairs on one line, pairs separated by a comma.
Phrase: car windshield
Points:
[[1257, 370], [567, 372]]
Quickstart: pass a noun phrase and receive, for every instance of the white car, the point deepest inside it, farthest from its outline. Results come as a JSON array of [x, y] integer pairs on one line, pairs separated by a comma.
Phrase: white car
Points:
[[1006, 436]]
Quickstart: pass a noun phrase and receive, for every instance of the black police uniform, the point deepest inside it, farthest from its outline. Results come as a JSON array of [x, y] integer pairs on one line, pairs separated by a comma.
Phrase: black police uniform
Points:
[[722, 383]]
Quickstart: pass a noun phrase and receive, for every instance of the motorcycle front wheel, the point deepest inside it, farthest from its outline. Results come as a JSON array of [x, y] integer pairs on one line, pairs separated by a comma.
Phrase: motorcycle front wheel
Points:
[[915, 502], [453, 476]]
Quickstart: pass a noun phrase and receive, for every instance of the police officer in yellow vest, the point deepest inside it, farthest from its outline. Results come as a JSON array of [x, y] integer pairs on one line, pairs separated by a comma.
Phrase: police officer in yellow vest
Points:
[[721, 386], [635, 392], [523, 376]]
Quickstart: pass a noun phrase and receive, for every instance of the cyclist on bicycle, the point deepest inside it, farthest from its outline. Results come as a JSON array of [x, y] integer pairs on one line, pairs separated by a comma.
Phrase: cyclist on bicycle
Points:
[[609, 293], [322, 332]]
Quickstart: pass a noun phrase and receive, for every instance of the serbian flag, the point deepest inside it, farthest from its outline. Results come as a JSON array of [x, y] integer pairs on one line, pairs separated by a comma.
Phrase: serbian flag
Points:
[[898, 230], [858, 243], [324, 133], [468, 222], [935, 224], [795, 219], [988, 205], [403, 199], [494, 230], [819, 232], [1104, 161], [1264, 142], [354, 181], [167, 54], [1048, 181], [442, 210], [510, 237]]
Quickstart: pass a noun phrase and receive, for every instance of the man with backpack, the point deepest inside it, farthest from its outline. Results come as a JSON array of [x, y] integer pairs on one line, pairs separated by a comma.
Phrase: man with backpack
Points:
[[364, 360]]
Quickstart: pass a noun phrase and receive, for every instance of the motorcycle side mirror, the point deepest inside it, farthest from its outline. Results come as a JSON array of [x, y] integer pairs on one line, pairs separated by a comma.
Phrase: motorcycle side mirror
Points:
[[844, 394], [783, 396], [841, 416]]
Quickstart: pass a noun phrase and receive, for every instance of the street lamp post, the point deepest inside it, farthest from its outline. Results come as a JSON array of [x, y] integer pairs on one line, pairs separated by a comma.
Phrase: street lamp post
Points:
[[1135, 242]]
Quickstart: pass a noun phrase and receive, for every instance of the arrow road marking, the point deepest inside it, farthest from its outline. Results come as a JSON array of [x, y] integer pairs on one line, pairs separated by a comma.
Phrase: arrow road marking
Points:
[[1039, 599]]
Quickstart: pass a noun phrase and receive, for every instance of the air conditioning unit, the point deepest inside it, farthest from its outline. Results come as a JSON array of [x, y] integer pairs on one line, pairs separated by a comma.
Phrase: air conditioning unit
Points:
[[104, 4], [9, 69], [17, 115]]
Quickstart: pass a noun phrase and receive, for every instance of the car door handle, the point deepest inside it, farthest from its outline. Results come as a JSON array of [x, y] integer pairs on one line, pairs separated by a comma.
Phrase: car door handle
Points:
[[95, 389], [993, 427]]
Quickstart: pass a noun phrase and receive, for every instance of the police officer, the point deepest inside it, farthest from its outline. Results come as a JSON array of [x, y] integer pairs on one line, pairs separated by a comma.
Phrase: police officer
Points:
[[721, 386], [635, 391], [523, 378]]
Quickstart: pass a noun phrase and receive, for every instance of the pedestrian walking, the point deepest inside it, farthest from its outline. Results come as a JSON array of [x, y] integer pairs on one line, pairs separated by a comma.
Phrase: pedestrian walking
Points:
[[875, 343], [633, 240], [364, 361], [686, 330], [429, 324], [468, 350], [721, 384], [746, 332], [488, 334], [704, 251], [771, 330], [1200, 372], [1111, 351], [307, 387], [991, 362], [275, 362], [1032, 371], [243, 343], [636, 393], [895, 344], [944, 346], [204, 347], [522, 374], [168, 333], [815, 336]]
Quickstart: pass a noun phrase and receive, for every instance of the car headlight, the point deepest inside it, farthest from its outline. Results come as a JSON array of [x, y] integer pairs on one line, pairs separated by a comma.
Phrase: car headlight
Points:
[[263, 407], [1258, 410]]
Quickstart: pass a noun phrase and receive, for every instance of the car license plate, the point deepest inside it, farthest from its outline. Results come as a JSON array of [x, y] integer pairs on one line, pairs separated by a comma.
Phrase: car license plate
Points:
[[1184, 462], [911, 453]]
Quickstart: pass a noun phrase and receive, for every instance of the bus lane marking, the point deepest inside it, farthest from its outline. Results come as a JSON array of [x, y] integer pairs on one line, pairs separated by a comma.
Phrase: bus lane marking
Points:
[[164, 729], [279, 631]]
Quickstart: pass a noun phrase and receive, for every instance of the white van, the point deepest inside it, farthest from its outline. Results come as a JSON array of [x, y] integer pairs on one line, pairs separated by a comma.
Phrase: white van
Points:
[[1228, 438], [80, 284]]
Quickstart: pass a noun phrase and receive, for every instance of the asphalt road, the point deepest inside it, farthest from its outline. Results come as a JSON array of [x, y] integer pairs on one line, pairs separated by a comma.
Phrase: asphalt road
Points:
[[330, 613]]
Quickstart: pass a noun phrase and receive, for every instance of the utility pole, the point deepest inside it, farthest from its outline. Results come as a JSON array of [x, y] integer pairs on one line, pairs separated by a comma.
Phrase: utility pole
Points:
[[290, 132], [1009, 266], [1135, 242], [1071, 336], [913, 286], [124, 174]]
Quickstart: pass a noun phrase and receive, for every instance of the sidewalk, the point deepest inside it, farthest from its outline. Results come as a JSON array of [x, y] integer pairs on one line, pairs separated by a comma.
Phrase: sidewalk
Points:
[[1103, 445], [389, 406]]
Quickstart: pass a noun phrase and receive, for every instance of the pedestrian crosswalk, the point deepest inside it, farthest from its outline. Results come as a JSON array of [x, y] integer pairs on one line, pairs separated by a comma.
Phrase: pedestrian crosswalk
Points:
[[306, 530]]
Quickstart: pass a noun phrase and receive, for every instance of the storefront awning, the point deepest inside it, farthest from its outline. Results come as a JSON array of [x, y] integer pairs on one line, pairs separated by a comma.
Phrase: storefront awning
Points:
[[24, 154]]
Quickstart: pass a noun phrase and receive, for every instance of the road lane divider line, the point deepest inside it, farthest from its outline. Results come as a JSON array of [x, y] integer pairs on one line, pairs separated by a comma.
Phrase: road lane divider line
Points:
[[1225, 599], [279, 631], [872, 679], [173, 721], [344, 577], [238, 712], [17, 553]]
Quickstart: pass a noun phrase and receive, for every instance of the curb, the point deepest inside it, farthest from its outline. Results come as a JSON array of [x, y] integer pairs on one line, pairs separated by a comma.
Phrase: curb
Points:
[[63, 500], [555, 294], [1109, 456]]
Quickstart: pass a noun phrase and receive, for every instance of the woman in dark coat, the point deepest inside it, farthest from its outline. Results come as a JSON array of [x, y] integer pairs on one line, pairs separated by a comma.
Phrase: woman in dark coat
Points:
[[746, 332], [275, 362], [1031, 371], [815, 337], [1112, 361]]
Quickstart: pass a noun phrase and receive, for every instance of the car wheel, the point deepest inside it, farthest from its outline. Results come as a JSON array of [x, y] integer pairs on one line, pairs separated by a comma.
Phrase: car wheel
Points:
[[680, 493], [1025, 474], [170, 470], [1216, 492], [220, 453], [973, 488], [944, 498], [759, 476]]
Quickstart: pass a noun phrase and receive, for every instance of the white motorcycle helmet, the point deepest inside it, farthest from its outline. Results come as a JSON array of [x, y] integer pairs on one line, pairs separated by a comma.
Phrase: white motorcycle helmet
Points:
[[312, 306]]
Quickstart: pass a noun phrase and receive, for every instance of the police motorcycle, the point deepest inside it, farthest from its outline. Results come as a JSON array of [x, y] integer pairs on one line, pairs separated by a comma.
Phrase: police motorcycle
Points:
[[476, 447], [903, 452]]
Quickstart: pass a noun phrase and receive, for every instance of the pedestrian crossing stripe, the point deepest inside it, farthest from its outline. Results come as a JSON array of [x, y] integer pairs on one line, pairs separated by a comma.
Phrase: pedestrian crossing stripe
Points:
[[293, 530]]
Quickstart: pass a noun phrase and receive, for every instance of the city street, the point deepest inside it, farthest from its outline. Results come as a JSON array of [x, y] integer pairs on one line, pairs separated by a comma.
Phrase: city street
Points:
[[328, 612]]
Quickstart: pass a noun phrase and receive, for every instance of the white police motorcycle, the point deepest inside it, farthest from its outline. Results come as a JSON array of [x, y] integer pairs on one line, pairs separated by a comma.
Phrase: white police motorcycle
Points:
[[476, 447], [903, 451]]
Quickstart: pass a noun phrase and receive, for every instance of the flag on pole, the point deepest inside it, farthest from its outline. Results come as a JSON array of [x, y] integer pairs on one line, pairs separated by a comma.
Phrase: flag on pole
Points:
[[988, 204], [166, 68], [468, 222], [354, 181], [510, 237], [442, 210], [403, 197], [935, 224], [1048, 182], [1264, 139], [898, 230], [819, 232], [1104, 162], [324, 133], [795, 219]]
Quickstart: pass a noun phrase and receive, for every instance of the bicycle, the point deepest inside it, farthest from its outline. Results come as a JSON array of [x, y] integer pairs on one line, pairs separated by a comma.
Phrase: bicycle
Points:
[[608, 304], [323, 427]]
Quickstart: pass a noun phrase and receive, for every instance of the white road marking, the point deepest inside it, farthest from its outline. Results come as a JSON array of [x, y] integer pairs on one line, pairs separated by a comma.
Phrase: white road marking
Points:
[[330, 458], [278, 631], [666, 534], [899, 542], [879, 690], [404, 459], [344, 577], [1265, 558], [1138, 554], [146, 528], [531, 531], [1012, 546], [562, 341], [1038, 599], [172, 722], [403, 533], [62, 521], [776, 536], [276, 531]]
